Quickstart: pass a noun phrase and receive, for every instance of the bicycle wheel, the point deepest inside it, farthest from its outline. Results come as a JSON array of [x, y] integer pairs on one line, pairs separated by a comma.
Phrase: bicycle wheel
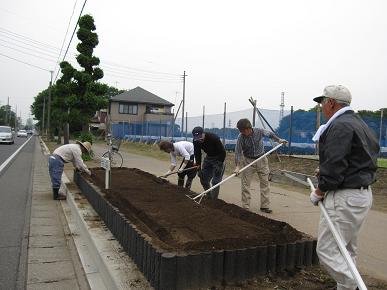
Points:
[[117, 159]]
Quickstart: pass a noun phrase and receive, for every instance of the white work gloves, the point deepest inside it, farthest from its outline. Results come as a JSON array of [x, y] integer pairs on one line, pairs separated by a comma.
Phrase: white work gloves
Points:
[[236, 170], [315, 198]]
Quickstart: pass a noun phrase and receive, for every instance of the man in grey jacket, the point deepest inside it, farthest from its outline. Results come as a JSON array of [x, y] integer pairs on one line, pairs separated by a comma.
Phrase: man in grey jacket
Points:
[[348, 152]]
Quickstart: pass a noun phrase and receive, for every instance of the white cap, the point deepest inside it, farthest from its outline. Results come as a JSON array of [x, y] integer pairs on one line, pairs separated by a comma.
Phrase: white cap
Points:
[[336, 92]]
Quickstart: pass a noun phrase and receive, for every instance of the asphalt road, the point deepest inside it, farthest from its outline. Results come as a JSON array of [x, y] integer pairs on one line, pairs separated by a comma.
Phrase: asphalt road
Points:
[[6, 150], [15, 206]]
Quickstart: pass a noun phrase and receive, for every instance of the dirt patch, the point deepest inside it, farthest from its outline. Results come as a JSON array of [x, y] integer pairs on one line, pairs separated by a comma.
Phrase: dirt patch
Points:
[[166, 214]]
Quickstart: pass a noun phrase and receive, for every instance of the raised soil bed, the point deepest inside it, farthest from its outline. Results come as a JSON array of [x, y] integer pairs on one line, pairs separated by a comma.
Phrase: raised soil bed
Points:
[[179, 244]]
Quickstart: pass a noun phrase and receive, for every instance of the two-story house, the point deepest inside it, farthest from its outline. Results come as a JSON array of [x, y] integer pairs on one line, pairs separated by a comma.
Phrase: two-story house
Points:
[[139, 112]]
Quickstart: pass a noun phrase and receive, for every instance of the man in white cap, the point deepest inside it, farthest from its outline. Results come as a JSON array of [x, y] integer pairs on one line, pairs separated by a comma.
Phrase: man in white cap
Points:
[[64, 154], [348, 151]]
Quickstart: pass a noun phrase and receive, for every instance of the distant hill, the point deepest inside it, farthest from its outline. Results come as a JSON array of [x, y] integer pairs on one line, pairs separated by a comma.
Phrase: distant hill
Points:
[[216, 120]]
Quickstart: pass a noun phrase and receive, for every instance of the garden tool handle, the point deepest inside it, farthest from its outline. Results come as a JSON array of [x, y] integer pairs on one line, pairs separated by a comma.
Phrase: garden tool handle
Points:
[[184, 170], [234, 174], [339, 241]]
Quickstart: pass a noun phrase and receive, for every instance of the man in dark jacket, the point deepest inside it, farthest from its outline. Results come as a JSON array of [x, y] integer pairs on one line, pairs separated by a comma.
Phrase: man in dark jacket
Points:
[[212, 168], [348, 155]]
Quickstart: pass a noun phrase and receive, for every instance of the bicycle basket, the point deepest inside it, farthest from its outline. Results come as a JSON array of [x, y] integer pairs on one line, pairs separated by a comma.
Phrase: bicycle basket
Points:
[[116, 144]]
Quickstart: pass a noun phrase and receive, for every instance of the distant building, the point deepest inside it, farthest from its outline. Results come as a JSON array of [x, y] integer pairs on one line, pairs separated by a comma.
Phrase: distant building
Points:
[[138, 111]]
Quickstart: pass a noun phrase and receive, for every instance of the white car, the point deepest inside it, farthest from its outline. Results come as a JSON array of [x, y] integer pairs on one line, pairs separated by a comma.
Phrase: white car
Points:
[[6, 135], [22, 133]]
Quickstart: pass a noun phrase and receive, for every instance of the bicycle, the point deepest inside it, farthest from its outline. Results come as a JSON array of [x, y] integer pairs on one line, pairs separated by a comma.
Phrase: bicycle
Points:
[[116, 157]]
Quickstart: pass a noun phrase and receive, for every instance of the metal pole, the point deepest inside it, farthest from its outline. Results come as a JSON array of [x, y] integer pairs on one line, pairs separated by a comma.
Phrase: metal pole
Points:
[[224, 125], [255, 109], [182, 112], [318, 121], [204, 107], [44, 112], [16, 119], [290, 130], [186, 124], [7, 114], [49, 106], [381, 127], [342, 247]]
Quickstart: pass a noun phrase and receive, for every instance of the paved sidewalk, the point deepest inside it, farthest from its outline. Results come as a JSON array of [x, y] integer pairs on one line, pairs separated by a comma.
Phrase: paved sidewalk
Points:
[[52, 259], [289, 206]]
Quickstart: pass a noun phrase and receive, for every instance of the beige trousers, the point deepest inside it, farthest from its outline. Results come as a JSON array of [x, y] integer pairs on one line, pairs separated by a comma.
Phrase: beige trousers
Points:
[[347, 208], [261, 168]]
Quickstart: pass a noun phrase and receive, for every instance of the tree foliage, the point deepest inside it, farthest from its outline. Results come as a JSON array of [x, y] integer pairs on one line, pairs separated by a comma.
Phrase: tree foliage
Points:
[[7, 116], [78, 94]]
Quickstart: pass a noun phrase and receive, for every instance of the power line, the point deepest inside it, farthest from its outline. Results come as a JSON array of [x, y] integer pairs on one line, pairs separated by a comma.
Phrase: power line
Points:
[[27, 48], [34, 55], [64, 39], [6, 31], [119, 67], [18, 60], [68, 46]]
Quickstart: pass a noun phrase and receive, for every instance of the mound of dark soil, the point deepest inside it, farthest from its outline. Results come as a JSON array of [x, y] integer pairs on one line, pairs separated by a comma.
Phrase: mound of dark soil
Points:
[[175, 222]]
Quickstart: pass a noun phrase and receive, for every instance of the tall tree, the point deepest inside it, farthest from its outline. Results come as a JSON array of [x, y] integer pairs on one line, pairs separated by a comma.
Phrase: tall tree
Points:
[[80, 90], [77, 95]]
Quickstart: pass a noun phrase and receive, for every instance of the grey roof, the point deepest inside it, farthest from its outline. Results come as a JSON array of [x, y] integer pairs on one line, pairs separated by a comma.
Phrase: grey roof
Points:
[[139, 95]]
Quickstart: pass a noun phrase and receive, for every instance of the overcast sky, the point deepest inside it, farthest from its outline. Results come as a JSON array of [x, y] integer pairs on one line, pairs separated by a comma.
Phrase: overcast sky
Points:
[[230, 50]]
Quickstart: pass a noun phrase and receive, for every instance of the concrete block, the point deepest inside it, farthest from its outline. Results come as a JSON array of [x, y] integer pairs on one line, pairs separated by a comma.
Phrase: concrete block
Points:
[[46, 272], [48, 255], [57, 285]]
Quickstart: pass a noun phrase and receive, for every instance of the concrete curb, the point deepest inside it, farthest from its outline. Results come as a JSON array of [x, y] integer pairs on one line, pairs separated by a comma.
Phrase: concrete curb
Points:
[[101, 255]]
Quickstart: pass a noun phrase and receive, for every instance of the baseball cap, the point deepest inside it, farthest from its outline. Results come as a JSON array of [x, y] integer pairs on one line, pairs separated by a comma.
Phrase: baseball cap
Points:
[[197, 133], [336, 92]]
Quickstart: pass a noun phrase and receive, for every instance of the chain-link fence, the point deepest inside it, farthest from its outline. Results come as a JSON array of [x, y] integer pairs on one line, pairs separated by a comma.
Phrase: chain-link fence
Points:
[[298, 127]]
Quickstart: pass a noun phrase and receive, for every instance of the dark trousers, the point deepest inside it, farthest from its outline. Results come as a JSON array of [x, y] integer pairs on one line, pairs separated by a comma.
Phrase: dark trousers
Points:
[[190, 175], [211, 174]]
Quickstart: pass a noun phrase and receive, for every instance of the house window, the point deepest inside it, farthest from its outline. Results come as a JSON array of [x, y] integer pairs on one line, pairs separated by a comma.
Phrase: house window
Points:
[[130, 109]]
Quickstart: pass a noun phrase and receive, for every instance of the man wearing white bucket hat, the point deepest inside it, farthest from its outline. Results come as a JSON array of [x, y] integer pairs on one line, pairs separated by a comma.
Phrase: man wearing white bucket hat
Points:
[[348, 151], [64, 154]]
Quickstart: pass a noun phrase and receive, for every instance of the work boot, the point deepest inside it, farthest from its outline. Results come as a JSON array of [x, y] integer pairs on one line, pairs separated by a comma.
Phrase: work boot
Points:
[[55, 191], [266, 210], [61, 197], [180, 182]]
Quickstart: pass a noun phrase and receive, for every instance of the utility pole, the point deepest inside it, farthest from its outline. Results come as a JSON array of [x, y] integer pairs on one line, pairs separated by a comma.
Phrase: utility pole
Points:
[[204, 107], [186, 125], [49, 106], [318, 121], [224, 125], [255, 109], [16, 119], [381, 126], [290, 130], [7, 113], [182, 112], [282, 105], [44, 112]]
